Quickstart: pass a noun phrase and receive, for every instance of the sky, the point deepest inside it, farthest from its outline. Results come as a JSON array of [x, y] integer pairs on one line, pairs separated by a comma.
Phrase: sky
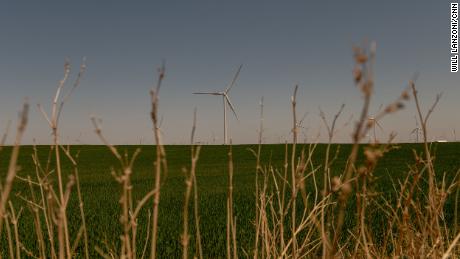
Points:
[[279, 43]]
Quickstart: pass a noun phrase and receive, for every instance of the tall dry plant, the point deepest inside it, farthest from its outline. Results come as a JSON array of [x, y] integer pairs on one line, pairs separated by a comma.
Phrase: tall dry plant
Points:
[[364, 79], [417, 225], [232, 248], [421, 225], [258, 171], [5, 134], [328, 162], [129, 210], [327, 212], [191, 183], [49, 207], [294, 172], [53, 121], [274, 207], [160, 166], [6, 187]]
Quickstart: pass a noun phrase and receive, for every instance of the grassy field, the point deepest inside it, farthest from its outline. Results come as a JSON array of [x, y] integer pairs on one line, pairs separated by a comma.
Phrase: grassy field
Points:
[[101, 192]]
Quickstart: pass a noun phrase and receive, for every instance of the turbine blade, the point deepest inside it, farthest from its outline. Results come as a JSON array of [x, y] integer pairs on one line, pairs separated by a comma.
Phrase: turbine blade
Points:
[[378, 124], [213, 93], [231, 106], [234, 80]]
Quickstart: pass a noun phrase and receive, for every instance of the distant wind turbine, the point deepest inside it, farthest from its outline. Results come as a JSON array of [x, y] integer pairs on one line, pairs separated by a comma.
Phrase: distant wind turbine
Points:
[[226, 101], [374, 123], [416, 130]]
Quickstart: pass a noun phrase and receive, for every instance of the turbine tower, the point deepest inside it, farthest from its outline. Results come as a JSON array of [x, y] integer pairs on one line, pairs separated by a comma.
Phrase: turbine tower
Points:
[[226, 101]]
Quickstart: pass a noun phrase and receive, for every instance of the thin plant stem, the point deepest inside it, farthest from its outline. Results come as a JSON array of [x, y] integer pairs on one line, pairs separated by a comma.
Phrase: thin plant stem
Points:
[[159, 161], [258, 170], [294, 174], [12, 168]]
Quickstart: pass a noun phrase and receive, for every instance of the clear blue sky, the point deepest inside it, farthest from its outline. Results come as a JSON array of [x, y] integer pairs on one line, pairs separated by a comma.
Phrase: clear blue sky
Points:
[[280, 44]]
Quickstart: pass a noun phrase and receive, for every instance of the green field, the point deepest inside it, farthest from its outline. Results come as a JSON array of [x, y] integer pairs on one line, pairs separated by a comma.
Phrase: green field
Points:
[[101, 192]]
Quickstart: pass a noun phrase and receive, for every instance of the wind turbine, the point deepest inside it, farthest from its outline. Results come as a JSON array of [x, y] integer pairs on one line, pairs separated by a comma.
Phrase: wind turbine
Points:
[[374, 123], [226, 101], [416, 130]]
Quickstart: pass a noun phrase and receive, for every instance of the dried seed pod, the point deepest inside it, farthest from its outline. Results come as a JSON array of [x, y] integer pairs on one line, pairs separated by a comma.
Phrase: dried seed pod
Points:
[[405, 95], [391, 108], [346, 189], [361, 58], [357, 74], [362, 170], [370, 156], [366, 87], [335, 182]]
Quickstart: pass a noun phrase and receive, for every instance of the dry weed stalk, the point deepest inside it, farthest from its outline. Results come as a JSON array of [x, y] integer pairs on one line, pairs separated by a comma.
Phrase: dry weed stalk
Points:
[[129, 213], [231, 220], [185, 236], [49, 206], [294, 173], [12, 168], [53, 122], [364, 80], [282, 209], [196, 208], [190, 183], [326, 245], [5, 134], [433, 190], [45, 202], [9, 237], [160, 161], [272, 209], [363, 76], [258, 170], [83, 229], [35, 207], [420, 223], [14, 221]]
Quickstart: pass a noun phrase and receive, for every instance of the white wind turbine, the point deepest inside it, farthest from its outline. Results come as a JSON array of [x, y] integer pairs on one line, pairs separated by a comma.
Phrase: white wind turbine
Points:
[[226, 101], [374, 123], [417, 130]]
